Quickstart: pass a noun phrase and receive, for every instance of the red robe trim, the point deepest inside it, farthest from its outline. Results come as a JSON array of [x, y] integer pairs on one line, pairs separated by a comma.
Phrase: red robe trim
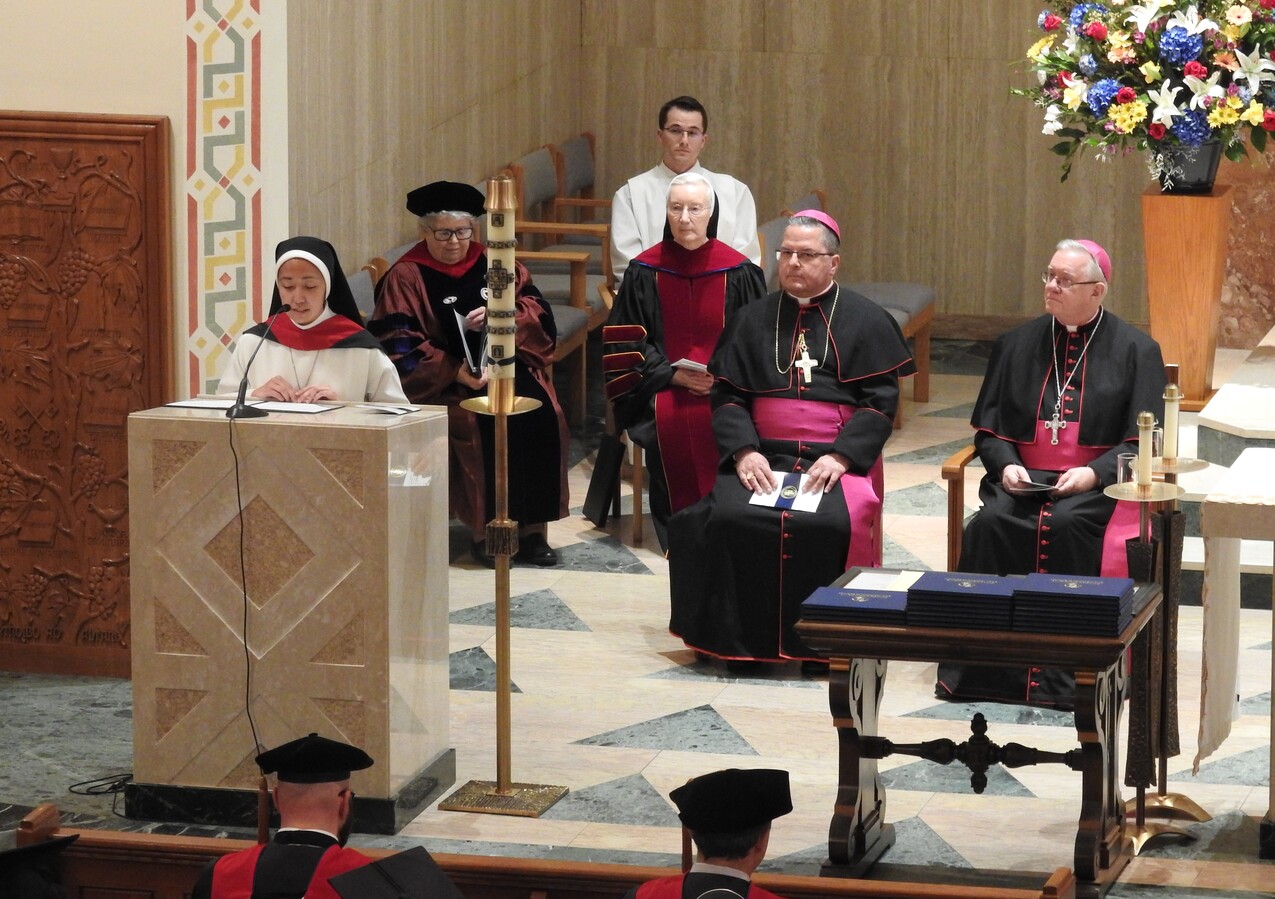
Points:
[[420, 254], [323, 336], [671, 888], [233, 873]]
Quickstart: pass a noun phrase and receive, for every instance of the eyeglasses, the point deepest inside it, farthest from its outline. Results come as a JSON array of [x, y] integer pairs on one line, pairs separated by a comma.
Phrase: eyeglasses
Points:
[[803, 256], [1064, 282], [678, 133], [446, 234], [694, 212]]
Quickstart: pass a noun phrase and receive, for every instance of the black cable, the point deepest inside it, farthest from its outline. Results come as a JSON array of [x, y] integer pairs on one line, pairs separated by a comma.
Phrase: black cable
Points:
[[112, 785], [247, 656]]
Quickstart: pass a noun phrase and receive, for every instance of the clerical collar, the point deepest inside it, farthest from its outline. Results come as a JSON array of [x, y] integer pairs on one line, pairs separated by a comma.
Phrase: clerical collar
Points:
[[1072, 329], [817, 298], [307, 830]]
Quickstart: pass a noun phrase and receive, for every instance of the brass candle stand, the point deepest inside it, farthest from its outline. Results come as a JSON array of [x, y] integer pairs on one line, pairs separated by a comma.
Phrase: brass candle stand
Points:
[[502, 796], [1157, 552]]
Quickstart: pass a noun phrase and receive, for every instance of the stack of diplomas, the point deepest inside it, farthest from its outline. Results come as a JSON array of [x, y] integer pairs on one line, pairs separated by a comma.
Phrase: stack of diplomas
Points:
[[953, 599], [1068, 604], [855, 606]]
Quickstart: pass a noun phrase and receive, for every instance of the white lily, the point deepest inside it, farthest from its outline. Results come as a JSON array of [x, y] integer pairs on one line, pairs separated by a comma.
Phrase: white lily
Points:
[[1166, 107], [1142, 14], [1052, 123], [1254, 69], [1201, 88], [1191, 21]]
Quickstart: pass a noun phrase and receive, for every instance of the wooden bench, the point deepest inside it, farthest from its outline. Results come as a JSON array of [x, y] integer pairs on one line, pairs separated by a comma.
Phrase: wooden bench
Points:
[[162, 866]]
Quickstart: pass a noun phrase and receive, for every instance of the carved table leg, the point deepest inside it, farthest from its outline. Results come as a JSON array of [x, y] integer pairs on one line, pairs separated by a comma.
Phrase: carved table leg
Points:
[[858, 834], [1102, 847]]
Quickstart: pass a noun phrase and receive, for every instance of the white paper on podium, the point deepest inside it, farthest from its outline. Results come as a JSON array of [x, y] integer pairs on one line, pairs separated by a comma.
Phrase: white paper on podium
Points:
[[799, 500], [205, 403], [385, 408], [303, 408]]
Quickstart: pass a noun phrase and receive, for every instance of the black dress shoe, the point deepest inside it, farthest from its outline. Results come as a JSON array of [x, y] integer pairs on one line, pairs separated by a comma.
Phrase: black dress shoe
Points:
[[534, 549], [478, 552]]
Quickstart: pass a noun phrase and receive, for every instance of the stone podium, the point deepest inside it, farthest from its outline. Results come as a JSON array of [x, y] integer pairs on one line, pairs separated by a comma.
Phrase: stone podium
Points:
[[345, 549]]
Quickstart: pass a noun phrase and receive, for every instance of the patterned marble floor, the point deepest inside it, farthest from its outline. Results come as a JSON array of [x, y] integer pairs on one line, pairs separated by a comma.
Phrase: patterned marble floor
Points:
[[606, 703]]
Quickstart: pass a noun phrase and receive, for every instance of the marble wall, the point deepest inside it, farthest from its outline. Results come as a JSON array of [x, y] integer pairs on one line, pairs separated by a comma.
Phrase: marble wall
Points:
[[1248, 294]]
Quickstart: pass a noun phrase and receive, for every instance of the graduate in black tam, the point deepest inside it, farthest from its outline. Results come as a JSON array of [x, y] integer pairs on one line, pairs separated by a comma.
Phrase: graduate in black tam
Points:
[[314, 801], [728, 814], [431, 317]]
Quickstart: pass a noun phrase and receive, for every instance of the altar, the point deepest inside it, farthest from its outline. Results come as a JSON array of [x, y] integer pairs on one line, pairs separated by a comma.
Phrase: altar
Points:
[[342, 627]]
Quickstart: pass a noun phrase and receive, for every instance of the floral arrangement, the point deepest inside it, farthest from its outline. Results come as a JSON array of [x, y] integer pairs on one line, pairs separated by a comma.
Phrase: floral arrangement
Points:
[[1120, 76]]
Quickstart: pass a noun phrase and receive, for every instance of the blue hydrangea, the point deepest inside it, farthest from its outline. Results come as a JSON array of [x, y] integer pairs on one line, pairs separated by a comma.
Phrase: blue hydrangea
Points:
[[1244, 94], [1101, 95], [1192, 127], [1088, 65], [1178, 46], [1077, 18]]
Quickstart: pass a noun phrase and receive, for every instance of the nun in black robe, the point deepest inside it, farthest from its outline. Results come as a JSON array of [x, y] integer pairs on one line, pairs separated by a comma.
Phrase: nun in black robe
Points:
[[739, 572]]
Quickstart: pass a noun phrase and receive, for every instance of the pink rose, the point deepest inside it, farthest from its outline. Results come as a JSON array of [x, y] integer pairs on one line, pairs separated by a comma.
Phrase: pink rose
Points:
[[1155, 130], [1051, 21], [1096, 30], [1268, 4], [1268, 118], [1195, 69]]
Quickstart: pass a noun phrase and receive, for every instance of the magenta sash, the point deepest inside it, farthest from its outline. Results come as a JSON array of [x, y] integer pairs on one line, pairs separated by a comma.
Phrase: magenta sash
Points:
[[1068, 453], [805, 421]]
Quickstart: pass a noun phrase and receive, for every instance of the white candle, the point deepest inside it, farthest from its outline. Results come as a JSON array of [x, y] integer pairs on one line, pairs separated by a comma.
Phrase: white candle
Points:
[[1172, 402], [1146, 423], [501, 278]]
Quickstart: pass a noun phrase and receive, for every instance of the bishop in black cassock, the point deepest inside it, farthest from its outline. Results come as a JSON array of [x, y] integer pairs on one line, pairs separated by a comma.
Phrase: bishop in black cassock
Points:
[[1059, 403], [807, 383]]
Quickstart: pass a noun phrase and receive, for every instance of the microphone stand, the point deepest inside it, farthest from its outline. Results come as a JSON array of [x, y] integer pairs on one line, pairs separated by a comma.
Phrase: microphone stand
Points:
[[241, 409]]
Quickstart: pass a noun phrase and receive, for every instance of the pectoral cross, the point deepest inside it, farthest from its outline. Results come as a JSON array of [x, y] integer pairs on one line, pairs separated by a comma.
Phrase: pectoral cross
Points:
[[1055, 425], [805, 363]]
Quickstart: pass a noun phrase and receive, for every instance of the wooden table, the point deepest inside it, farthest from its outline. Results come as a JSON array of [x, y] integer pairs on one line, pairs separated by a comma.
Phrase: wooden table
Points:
[[859, 834]]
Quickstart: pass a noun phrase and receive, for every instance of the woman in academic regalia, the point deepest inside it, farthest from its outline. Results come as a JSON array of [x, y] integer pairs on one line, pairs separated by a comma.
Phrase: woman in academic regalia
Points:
[[431, 313], [318, 349]]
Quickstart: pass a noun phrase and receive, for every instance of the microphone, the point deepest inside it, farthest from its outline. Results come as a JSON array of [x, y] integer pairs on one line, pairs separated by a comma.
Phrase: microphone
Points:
[[241, 409]]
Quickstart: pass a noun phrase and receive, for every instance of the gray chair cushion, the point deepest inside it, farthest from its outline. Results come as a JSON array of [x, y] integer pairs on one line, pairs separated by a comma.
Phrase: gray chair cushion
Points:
[[771, 234], [901, 295], [577, 165], [557, 289], [539, 178], [569, 321], [364, 295]]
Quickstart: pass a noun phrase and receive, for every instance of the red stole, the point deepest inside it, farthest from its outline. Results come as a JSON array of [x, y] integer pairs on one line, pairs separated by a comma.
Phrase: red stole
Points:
[[805, 420], [420, 254], [1068, 453], [233, 873], [693, 308], [671, 888], [323, 336]]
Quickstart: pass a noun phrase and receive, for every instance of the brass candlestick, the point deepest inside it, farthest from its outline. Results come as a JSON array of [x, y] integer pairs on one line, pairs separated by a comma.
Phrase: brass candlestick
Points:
[[502, 797]]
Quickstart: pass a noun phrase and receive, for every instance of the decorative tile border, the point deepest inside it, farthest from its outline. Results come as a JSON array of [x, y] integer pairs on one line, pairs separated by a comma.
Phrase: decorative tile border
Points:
[[223, 180]]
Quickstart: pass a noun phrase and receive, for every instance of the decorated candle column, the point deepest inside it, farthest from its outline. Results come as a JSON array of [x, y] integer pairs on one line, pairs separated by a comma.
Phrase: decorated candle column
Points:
[[1146, 424], [1172, 403], [501, 328]]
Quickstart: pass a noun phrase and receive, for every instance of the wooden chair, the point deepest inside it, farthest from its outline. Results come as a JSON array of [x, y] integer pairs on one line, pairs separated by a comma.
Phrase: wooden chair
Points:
[[954, 474], [535, 186], [573, 161]]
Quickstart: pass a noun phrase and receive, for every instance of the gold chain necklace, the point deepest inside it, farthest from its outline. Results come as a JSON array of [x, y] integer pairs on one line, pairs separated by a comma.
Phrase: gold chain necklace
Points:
[[801, 337]]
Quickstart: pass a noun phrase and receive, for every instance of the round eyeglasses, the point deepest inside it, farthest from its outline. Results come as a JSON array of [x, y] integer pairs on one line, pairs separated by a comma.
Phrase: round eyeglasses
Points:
[[1064, 282]]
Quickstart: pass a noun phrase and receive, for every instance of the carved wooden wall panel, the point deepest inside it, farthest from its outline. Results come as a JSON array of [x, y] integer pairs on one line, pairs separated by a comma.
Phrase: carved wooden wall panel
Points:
[[85, 293]]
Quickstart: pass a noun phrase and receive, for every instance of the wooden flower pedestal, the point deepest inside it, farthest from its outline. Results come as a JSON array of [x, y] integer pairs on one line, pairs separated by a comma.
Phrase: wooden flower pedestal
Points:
[[1185, 246]]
